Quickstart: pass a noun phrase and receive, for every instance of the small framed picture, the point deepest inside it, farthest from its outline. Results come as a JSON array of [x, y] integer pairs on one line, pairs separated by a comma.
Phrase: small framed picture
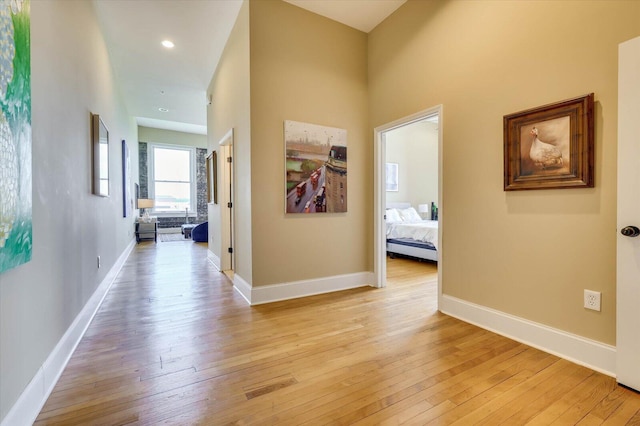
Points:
[[551, 146], [391, 177], [212, 178]]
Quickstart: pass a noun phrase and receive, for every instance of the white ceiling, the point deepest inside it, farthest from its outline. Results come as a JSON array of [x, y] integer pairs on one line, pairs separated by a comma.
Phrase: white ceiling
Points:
[[153, 77], [363, 15]]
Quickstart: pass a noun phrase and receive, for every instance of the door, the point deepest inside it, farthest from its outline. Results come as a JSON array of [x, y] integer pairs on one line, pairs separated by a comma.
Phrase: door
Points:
[[226, 207], [628, 246], [229, 189]]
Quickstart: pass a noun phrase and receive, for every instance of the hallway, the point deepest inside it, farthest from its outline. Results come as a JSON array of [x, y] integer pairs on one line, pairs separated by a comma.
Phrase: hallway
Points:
[[173, 343]]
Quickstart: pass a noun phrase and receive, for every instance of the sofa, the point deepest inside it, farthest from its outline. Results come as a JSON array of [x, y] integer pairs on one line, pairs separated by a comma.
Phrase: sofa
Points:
[[200, 233]]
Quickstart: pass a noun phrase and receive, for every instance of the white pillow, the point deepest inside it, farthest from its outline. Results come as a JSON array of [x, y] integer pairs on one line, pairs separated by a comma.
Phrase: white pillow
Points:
[[393, 216], [410, 215]]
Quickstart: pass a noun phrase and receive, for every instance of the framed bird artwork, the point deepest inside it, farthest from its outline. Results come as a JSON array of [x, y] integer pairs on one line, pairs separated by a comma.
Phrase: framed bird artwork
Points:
[[551, 146]]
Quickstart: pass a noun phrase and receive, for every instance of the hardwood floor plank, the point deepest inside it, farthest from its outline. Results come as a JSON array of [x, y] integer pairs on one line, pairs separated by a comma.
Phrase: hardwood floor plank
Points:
[[625, 411], [590, 420], [500, 407], [573, 405], [611, 402], [548, 393], [402, 410], [597, 389], [173, 343]]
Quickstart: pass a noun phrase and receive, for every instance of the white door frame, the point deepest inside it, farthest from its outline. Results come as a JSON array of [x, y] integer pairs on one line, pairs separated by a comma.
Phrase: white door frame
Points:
[[380, 195], [227, 260]]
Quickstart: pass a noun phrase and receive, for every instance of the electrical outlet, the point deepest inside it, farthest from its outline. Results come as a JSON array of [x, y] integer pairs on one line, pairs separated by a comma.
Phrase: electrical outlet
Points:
[[592, 300], [99, 266]]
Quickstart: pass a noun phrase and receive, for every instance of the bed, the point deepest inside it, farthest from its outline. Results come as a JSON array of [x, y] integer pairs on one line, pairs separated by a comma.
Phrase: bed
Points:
[[409, 235]]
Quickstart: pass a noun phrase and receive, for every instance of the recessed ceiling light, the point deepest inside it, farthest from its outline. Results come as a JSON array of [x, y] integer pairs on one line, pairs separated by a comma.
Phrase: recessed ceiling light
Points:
[[163, 110], [168, 44]]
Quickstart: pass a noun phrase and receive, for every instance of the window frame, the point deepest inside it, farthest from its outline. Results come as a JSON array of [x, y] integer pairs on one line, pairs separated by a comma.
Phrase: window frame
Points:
[[193, 184]]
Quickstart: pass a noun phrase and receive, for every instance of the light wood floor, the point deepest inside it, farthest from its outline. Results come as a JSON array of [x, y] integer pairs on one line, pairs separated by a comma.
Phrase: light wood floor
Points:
[[173, 343]]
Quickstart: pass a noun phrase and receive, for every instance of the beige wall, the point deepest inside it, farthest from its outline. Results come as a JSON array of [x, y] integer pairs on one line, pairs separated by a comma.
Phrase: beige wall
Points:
[[171, 137], [528, 253], [230, 109], [307, 68], [70, 77], [415, 149]]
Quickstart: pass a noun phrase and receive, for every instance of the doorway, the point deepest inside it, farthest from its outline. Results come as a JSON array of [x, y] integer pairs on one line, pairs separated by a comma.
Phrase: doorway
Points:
[[227, 259], [382, 135]]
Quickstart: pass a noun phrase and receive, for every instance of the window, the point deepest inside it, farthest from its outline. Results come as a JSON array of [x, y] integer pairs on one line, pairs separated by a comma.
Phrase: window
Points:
[[172, 182]]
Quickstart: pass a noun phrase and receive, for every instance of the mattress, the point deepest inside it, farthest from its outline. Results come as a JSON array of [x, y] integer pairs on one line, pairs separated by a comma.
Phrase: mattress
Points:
[[425, 231], [411, 243]]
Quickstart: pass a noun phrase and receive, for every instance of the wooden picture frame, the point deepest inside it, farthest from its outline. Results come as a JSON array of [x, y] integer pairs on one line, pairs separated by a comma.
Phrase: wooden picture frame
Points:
[[212, 178], [551, 146], [127, 201]]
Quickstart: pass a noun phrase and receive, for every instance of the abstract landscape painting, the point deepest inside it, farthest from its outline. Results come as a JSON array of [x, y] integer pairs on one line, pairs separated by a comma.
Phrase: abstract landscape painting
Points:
[[15, 134]]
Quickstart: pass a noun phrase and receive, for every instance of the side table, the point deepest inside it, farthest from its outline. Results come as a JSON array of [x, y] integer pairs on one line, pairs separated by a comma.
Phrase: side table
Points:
[[147, 230]]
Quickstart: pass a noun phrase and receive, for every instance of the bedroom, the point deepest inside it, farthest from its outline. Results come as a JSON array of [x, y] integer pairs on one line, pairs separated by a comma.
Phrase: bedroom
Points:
[[411, 177]]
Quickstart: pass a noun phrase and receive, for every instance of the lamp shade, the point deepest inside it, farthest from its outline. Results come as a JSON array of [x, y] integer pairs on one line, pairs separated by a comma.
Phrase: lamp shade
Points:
[[145, 203], [423, 208]]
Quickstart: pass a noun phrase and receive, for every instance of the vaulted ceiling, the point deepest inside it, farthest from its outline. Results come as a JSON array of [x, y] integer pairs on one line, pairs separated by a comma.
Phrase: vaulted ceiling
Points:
[[166, 87]]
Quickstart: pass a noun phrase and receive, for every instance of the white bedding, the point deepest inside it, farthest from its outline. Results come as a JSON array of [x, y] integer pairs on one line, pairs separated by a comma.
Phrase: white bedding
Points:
[[425, 231]]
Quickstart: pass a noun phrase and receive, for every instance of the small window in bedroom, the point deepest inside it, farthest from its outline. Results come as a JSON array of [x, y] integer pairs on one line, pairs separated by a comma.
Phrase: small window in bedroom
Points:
[[391, 176]]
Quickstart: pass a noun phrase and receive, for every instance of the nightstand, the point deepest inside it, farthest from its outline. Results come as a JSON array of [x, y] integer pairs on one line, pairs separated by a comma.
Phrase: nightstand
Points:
[[147, 230]]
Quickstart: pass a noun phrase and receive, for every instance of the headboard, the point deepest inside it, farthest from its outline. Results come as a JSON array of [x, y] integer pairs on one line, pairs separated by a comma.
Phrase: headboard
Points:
[[398, 205]]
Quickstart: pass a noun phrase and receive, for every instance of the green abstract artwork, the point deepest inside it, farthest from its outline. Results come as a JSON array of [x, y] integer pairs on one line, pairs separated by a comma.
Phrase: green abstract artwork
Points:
[[15, 134]]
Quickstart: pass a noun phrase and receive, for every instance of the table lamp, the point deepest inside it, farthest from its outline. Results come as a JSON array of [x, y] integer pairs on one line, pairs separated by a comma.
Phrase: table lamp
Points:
[[145, 204], [423, 208]]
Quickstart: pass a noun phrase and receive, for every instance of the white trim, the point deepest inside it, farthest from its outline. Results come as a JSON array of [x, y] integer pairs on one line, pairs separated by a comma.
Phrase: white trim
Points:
[[242, 287], [580, 350], [33, 398], [304, 288], [227, 139], [215, 260]]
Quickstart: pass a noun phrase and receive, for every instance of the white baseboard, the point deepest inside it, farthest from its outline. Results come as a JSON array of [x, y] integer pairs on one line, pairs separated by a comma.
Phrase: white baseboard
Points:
[[33, 398], [304, 288], [580, 350], [242, 287], [215, 260]]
